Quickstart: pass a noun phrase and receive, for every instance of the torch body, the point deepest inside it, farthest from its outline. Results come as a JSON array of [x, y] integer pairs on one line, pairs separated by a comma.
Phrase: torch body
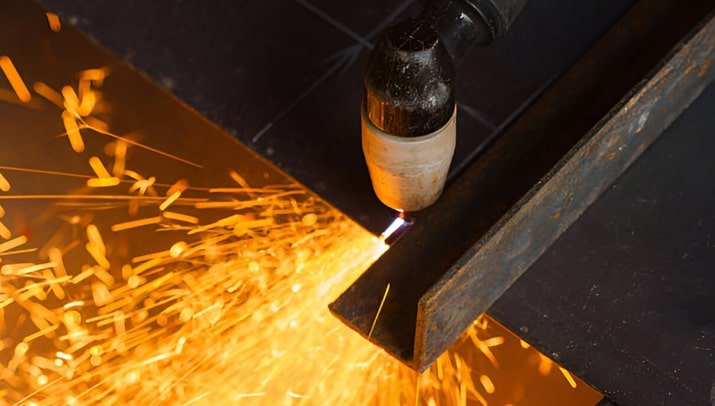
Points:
[[408, 114]]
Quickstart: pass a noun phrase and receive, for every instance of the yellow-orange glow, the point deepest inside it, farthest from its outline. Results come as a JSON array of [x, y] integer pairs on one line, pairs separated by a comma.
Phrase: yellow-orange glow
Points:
[[545, 365], [228, 306]]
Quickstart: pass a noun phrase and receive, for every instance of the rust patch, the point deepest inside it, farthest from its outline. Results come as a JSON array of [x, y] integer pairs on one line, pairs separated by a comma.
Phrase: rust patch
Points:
[[703, 69]]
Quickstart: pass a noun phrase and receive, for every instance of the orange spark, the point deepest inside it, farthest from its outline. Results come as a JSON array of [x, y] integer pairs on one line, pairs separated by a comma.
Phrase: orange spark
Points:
[[4, 231], [379, 309], [248, 288], [568, 377], [120, 156], [86, 105], [143, 146], [49, 94], [14, 78], [4, 184], [169, 200], [14, 243], [96, 75], [71, 100], [103, 182], [54, 21], [98, 167], [72, 130], [136, 223], [180, 217]]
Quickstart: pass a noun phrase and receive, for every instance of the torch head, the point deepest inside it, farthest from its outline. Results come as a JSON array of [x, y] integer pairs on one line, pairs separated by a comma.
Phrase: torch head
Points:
[[409, 116]]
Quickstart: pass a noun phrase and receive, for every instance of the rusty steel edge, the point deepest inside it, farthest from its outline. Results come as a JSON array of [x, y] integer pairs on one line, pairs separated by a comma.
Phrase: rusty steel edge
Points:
[[549, 208]]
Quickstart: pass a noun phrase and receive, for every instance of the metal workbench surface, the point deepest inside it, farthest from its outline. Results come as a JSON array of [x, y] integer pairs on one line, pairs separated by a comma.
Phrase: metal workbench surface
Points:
[[626, 297]]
